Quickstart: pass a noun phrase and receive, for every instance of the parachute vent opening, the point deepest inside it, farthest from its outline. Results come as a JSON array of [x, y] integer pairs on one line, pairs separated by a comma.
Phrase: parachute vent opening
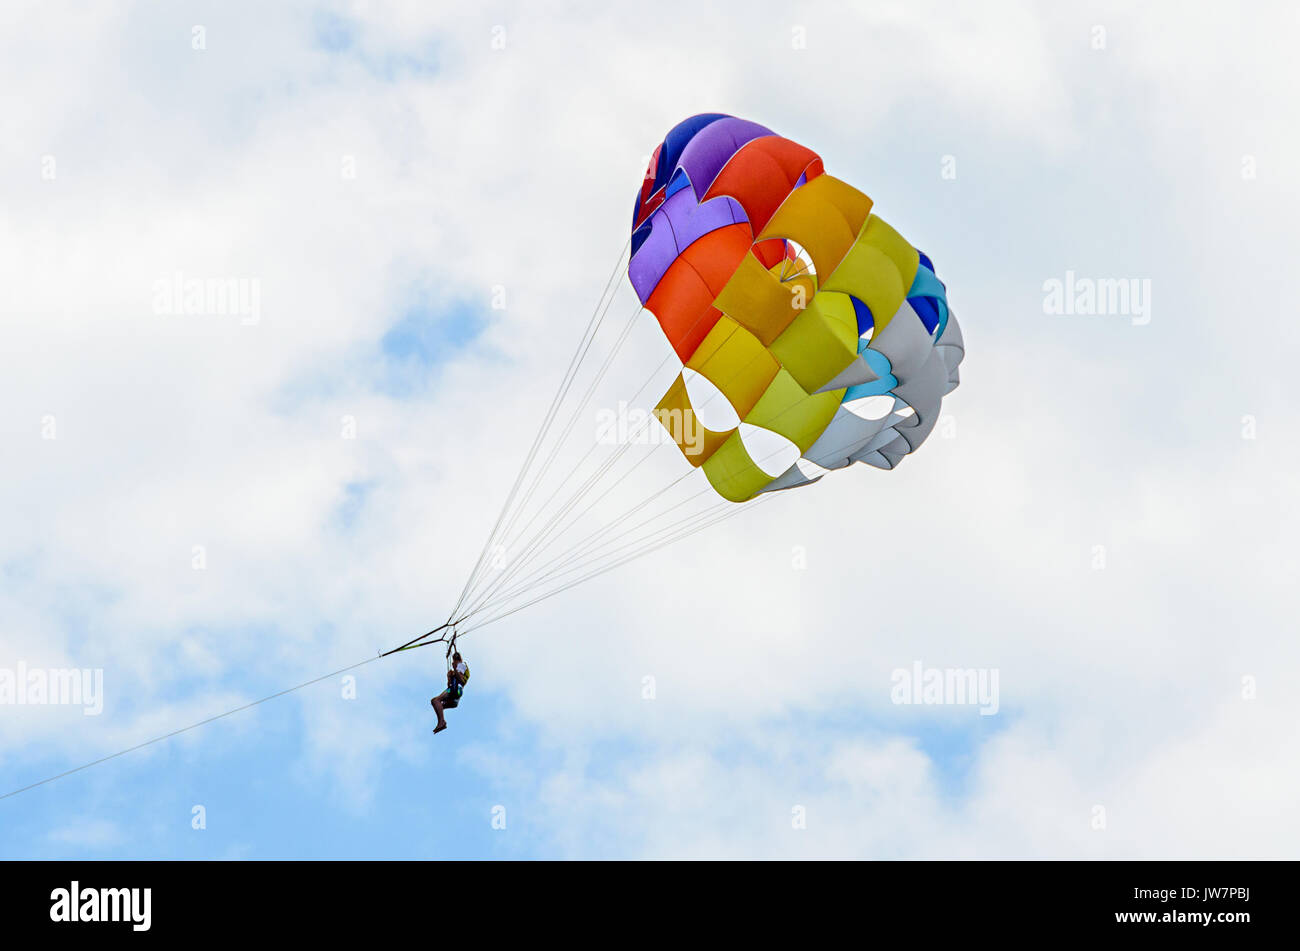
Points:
[[871, 407], [798, 263], [771, 452], [712, 409]]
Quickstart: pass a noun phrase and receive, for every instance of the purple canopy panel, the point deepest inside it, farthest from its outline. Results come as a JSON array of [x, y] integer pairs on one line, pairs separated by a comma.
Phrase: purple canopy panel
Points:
[[711, 148], [675, 224]]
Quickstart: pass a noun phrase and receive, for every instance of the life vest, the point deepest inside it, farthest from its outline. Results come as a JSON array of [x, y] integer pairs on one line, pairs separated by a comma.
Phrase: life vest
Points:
[[456, 687]]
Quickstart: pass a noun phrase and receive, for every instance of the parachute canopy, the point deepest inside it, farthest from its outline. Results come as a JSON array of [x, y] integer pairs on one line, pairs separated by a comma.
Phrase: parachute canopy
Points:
[[826, 336]]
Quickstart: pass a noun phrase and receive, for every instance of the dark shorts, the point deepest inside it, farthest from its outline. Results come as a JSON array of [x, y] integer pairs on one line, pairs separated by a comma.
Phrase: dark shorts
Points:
[[447, 700]]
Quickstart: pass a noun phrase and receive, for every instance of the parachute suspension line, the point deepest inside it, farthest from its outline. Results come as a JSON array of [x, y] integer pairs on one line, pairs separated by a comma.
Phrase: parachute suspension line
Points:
[[734, 510], [596, 444], [531, 550], [584, 345], [564, 563], [414, 642], [725, 505], [538, 544], [536, 481], [531, 547], [573, 420], [476, 595], [547, 572], [592, 542], [566, 381], [551, 522], [544, 539], [554, 522], [494, 594], [575, 562], [586, 542]]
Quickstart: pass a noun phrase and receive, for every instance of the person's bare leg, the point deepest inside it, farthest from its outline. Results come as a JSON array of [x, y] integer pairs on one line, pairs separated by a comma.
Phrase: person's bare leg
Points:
[[437, 708]]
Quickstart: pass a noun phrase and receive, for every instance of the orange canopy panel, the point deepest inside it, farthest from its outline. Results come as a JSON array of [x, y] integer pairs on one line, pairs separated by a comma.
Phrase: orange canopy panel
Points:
[[683, 300], [762, 173]]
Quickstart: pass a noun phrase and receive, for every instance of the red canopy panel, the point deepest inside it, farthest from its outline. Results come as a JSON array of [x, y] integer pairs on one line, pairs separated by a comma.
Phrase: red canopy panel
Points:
[[762, 173], [683, 300]]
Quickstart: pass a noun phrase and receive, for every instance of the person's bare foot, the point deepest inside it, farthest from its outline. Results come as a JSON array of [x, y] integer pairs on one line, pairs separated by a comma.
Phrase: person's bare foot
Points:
[[439, 728]]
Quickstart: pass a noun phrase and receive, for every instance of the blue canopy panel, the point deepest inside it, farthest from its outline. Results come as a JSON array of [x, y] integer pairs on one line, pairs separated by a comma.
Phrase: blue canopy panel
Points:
[[676, 139], [929, 298]]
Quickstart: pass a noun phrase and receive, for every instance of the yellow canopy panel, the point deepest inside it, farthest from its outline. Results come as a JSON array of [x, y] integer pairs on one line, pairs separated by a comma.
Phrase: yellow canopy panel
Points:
[[732, 473], [736, 362], [821, 341], [878, 270], [787, 409], [676, 414], [758, 300], [824, 216]]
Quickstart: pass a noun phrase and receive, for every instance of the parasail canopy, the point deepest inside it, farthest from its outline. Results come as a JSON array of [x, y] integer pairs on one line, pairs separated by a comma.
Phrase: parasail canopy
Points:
[[780, 291]]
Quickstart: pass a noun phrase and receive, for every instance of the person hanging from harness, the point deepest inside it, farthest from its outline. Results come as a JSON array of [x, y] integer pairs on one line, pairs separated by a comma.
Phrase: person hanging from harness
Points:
[[457, 677]]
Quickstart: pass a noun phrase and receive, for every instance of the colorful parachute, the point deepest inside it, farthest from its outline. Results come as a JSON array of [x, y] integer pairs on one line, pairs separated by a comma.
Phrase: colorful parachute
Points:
[[824, 330]]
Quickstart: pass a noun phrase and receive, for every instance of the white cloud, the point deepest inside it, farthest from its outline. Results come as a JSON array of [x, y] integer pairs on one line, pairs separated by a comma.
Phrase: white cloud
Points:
[[516, 168]]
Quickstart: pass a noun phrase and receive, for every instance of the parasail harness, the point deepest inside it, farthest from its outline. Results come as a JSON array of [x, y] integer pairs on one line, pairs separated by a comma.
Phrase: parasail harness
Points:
[[426, 639], [448, 637]]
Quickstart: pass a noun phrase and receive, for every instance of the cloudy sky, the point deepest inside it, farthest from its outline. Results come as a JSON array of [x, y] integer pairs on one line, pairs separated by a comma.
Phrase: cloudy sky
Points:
[[422, 202]]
